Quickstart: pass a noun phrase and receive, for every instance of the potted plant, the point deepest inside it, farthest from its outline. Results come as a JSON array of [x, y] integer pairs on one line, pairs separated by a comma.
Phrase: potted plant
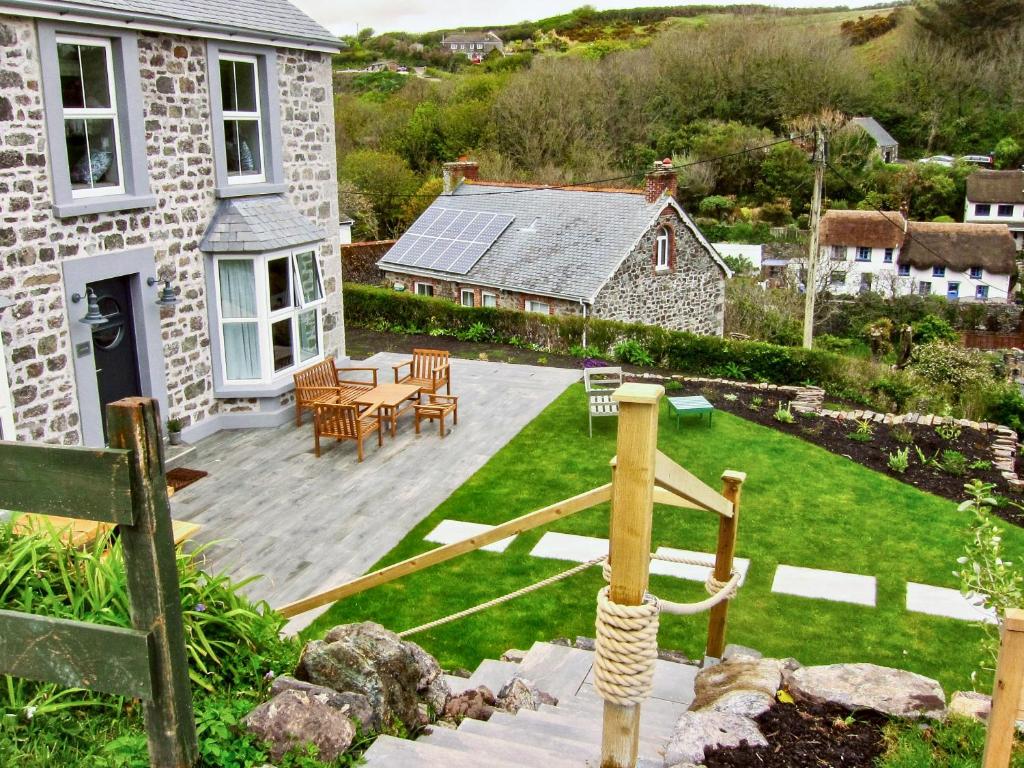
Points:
[[174, 431]]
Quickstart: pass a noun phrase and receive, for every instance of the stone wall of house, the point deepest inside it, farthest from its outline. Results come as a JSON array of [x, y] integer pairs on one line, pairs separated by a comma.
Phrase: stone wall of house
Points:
[[33, 242], [690, 296], [447, 289]]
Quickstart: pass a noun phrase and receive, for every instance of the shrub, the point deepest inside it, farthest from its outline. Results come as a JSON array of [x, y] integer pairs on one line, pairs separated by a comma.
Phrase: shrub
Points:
[[900, 460], [897, 388], [948, 432], [632, 351], [942, 363], [932, 328], [784, 414], [902, 434], [953, 463], [716, 206]]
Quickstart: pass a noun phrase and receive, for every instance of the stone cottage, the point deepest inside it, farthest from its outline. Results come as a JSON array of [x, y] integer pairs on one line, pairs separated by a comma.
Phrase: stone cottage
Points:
[[168, 212], [619, 254]]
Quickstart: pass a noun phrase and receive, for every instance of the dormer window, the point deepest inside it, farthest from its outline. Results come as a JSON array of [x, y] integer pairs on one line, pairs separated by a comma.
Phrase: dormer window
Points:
[[663, 245]]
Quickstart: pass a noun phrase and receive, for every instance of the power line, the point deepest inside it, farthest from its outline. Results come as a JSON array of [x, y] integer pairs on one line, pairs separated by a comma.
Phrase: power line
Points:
[[593, 182]]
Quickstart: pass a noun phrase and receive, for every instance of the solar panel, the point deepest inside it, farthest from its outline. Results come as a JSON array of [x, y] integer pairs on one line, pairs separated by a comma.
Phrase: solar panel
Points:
[[448, 239]]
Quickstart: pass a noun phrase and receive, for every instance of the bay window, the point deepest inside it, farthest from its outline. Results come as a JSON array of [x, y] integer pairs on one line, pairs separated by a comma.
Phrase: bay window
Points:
[[270, 314]]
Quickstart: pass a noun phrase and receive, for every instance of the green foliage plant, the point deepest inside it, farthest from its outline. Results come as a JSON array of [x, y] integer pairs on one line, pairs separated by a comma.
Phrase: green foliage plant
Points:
[[953, 463], [932, 328], [899, 461], [864, 432], [949, 432], [901, 434], [632, 352], [784, 414]]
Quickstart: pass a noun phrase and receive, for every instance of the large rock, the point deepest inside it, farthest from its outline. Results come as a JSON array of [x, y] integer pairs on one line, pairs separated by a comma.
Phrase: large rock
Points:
[[520, 693], [971, 704], [696, 732], [474, 703], [890, 691], [354, 705], [395, 676], [296, 719], [740, 686]]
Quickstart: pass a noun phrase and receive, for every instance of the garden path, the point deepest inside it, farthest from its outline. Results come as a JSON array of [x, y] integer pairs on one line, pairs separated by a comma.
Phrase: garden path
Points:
[[272, 509]]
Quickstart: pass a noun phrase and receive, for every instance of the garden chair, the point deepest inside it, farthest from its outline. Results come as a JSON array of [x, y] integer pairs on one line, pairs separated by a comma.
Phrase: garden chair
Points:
[[600, 383], [344, 421], [429, 369], [437, 407], [325, 379]]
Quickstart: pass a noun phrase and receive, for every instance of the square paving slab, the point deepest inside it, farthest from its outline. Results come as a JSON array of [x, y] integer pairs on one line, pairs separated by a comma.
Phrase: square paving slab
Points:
[[941, 601], [450, 531], [825, 585], [569, 546], [693, 572]]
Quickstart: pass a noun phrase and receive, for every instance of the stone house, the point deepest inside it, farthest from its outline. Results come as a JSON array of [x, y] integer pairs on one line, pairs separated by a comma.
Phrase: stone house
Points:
[[885, 253], [475, 45], [997, 197], [619, 254], [168, 212]]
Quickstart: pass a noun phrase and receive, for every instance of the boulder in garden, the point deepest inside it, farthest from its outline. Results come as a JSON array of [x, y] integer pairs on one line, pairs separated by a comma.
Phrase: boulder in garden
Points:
[[696, 732], [296, 719], [893, 692], [741, 686], [354, 705]]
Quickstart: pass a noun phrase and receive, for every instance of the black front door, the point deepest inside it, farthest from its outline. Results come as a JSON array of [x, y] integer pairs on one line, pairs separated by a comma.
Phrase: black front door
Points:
[[113, 344]]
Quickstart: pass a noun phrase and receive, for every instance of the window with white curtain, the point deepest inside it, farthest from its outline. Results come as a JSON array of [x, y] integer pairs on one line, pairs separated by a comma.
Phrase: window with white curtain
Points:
[[271, 314]]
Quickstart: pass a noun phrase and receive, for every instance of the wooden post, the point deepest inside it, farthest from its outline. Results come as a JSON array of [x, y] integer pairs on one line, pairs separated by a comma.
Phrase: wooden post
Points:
[[732, 486], [1006, 692], [152, 576], [630, 542]]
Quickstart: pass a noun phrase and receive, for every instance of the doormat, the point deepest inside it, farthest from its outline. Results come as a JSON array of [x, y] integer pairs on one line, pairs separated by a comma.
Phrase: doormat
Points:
[[182, 477]]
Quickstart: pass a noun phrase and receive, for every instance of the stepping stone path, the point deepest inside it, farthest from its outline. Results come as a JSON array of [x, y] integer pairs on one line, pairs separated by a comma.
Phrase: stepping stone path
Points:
[[814, 583], [825, 585]]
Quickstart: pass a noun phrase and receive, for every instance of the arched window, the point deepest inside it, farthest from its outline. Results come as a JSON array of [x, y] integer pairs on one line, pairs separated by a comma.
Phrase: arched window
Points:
[[662, 248]]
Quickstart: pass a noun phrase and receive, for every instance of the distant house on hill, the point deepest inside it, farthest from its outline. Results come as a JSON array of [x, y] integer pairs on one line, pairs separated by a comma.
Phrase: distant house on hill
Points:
[[997, 197], [619, 254], [868, 251], [888, 147], [475, 45]]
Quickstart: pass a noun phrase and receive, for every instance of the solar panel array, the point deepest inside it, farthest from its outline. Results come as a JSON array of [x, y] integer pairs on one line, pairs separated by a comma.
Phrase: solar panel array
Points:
[[448, 239]]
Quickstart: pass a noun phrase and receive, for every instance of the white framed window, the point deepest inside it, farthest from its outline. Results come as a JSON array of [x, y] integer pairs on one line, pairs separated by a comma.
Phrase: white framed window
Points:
[[662, 246], [243, 120], [839, 252], [424, 289], [540, 307], [92, 133], [467, 297], [488, 300], [863, 253], [6, 405], [887, 256], [271, 314]]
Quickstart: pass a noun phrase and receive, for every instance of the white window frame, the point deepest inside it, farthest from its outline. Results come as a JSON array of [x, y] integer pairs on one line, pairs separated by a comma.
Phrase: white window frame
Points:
[[863, 254], [663, 251], [887, 255], [6, 404], [257, 117], [981, 292], [472, 297], [265, 319], [532, 306], [428, 292], [949, 289], [487, 295], [924, 288], [95, 113], [839, 253]]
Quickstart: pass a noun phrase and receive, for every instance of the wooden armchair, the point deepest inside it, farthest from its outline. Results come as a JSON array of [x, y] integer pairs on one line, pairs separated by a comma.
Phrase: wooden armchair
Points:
[[325, 379], [429, 369], [600, 383], [346, 422]]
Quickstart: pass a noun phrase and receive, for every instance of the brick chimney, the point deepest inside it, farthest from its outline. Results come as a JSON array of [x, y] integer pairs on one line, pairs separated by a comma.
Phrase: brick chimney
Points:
[[453, 173], [662, 179]]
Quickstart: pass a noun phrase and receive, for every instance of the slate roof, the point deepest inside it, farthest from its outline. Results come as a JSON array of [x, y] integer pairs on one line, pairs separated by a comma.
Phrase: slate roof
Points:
[[256, 225], [276, 21], [471, 37], [996, 187], [960, 247], [862, 228], [875, 130], [564, 243]]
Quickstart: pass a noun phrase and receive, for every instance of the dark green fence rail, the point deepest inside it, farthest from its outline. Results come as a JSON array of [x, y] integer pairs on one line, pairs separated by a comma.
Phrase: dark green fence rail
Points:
[[124, 484]]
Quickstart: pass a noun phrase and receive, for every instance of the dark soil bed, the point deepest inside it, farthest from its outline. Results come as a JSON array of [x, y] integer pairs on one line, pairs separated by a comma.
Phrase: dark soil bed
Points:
[[802, 736]]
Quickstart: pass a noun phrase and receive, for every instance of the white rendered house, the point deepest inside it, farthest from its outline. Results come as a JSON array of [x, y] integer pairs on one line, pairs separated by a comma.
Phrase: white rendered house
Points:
[[997, 197]]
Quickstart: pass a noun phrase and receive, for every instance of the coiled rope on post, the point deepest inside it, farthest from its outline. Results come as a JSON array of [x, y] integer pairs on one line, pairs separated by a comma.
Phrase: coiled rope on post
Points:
[[625, 649]]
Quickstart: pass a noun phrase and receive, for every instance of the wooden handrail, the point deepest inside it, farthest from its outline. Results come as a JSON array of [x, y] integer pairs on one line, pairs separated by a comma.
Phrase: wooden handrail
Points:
[[526, 522], [672, 477]]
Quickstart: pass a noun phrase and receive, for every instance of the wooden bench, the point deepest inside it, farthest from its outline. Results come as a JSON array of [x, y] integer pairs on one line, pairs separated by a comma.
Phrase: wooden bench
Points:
[[429, 369], [437, 407], [325, 379]]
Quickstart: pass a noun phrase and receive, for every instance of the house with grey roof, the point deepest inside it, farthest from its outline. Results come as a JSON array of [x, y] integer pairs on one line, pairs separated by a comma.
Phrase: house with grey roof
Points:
[[620, 254], [475, 45], [168, 212], [888, 148]]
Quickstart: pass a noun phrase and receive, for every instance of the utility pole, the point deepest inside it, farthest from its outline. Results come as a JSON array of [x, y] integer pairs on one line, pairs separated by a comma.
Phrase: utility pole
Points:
[[811, 285]]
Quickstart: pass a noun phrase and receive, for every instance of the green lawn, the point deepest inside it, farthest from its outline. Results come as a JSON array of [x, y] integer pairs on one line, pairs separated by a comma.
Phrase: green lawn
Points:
[[801, 506]]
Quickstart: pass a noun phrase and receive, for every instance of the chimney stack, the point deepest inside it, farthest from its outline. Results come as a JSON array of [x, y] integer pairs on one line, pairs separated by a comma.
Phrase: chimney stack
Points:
[[453, 173], [662, 179]]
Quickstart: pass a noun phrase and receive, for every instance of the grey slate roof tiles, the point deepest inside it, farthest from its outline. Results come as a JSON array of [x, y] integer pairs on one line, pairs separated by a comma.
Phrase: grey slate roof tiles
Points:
[[256, 225], [562, 242], [874, 129], [270, 19]]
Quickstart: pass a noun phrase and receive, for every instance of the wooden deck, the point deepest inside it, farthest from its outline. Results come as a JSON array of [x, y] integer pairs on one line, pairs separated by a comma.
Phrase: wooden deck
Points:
[[306, 523]]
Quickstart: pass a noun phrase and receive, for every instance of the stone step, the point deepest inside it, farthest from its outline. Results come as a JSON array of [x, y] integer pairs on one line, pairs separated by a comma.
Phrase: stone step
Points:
[[457, 684], [500, 728], [542, 725], [672, 681], [655, 715], [494, 674], [390, 752], [654, 726], [556, 669], [526, 753]]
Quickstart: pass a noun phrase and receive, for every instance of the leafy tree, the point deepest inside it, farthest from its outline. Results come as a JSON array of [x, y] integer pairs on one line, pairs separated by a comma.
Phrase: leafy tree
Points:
[[384, 178], [423, 197], [1008, 153], [969, 24], [365, 34], [351, 203], [716, 206], [786, 172]]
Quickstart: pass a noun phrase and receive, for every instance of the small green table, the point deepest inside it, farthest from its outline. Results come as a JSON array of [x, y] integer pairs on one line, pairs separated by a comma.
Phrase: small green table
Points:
[[696, 404]]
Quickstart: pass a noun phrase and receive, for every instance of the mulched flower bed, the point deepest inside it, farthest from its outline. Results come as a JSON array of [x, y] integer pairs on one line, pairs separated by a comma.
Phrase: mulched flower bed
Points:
[[803, 736], [835, 435]]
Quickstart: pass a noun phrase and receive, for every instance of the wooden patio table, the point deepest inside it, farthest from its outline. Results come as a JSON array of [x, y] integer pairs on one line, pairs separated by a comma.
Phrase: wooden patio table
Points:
[[393, 399]]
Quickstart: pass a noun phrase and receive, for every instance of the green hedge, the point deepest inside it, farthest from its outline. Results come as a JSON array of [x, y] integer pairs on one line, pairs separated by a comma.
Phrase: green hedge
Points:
[[372, 307]]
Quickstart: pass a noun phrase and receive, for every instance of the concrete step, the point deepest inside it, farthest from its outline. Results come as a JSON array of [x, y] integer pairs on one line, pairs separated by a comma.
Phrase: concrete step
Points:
[[657, 717], [494, 674], [672, 681], [389, 752], [556, 669], [500, 728], [483, 745]]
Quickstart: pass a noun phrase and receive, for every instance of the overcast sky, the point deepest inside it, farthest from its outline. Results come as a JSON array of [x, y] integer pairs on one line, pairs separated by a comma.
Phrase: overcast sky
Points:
[[343, 16]]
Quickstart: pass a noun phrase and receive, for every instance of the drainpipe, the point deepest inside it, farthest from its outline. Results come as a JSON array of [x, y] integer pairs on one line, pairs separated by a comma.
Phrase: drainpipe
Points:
[[584, 306]]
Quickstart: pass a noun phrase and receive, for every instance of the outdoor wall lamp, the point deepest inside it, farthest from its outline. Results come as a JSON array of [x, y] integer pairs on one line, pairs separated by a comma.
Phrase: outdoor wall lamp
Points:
[[93, 316], [167, 298]]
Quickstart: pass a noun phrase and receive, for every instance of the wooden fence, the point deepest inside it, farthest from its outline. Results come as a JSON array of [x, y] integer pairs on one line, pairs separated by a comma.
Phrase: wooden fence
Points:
[[992, 340], [1007, 693], [124, 485]]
